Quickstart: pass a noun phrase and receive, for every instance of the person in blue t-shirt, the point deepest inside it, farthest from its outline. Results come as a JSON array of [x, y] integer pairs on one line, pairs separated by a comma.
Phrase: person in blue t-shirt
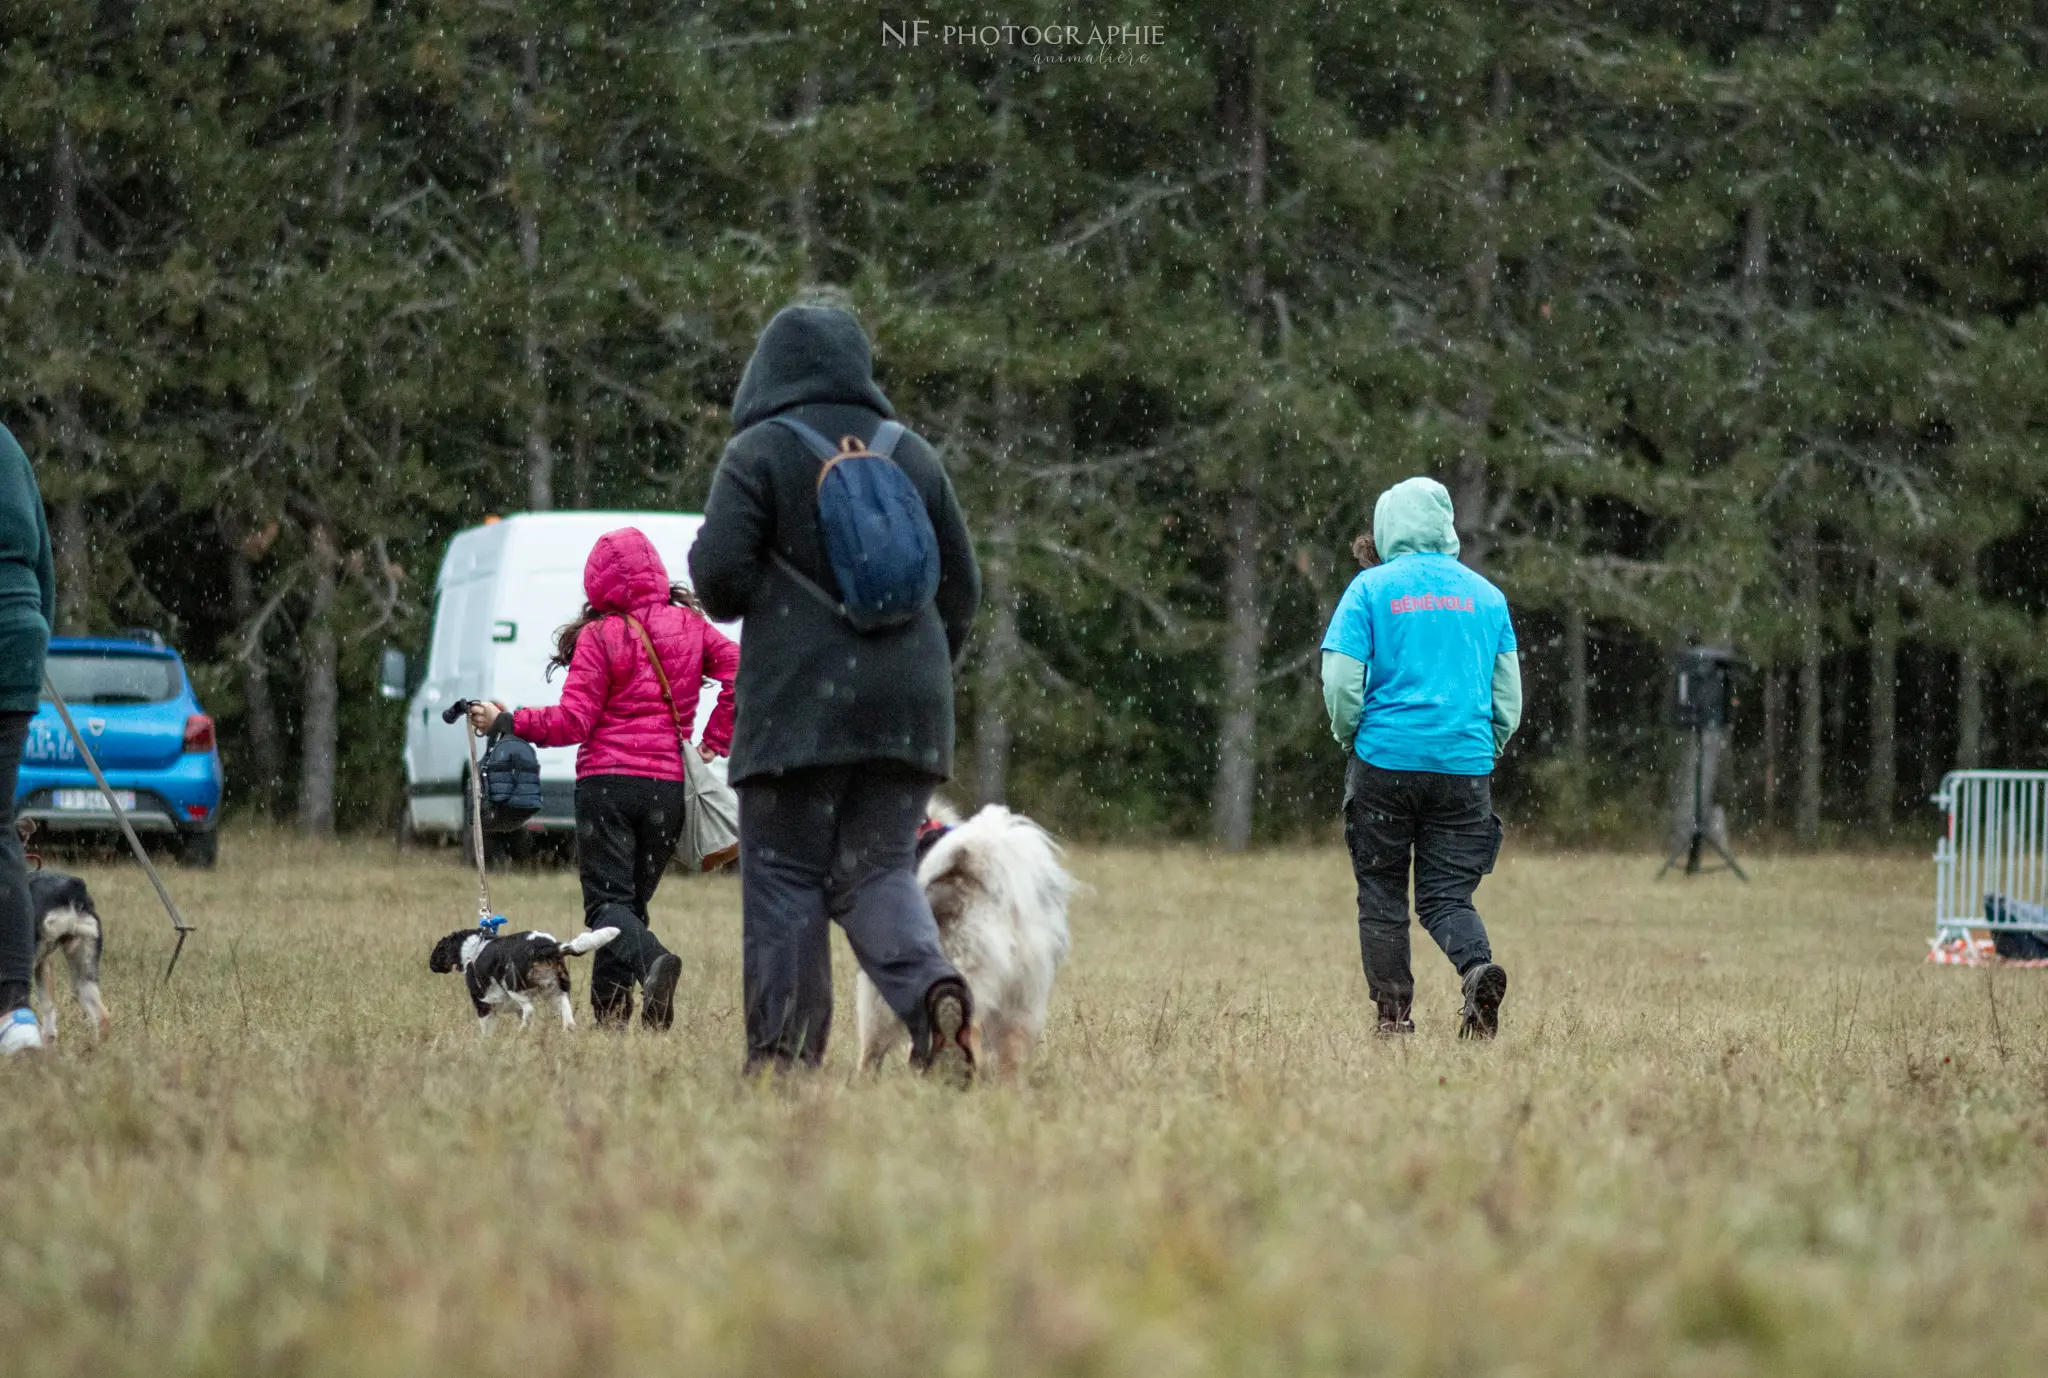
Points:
[[1424, 689]]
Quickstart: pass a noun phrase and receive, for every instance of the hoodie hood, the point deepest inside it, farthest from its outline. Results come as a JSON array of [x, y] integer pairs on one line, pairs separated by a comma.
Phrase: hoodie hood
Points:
[[1414, 517], [624, 572], [808, 354]]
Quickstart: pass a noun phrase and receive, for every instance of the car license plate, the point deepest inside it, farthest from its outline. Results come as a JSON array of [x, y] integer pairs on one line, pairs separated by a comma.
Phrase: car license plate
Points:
[[92, 801]]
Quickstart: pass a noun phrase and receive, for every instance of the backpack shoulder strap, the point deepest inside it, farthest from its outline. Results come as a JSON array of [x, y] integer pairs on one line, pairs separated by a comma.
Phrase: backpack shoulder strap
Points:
[[883, 444], [806, 582], [813, 441]]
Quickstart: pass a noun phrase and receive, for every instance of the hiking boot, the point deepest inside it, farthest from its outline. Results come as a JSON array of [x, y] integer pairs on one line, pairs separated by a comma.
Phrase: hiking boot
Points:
[[1485, 984], [949, 1019], [1394, 1017], [658, 991]]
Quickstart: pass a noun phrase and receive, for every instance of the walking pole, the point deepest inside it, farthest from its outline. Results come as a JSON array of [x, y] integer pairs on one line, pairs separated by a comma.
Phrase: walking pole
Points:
[[128, 829]]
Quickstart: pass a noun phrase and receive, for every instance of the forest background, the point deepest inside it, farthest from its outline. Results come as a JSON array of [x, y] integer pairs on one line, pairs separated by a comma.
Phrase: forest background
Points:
[[1724, 323]]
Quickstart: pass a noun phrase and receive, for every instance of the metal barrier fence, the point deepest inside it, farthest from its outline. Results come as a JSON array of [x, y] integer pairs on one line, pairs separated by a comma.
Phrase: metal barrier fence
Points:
[[1996, 849]]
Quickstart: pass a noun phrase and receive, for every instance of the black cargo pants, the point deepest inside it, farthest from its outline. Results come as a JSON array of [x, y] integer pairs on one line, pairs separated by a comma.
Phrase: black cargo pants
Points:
[[17, 916], [626, 831], [823, 845], [1448, 824]]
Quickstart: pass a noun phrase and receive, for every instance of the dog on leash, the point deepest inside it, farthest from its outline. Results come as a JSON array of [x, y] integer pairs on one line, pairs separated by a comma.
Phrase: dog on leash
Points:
[[514, 971], [999, 892], [67, 926]]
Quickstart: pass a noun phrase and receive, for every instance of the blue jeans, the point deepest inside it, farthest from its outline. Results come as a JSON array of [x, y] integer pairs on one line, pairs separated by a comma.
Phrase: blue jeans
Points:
[[1447, 823]]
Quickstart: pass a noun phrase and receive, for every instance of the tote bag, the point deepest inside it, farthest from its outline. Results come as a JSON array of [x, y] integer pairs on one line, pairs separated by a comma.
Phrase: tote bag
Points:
[[711, 811]]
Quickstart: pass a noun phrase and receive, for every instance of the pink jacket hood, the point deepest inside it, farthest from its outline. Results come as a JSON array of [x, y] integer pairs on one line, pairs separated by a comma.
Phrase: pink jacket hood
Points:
[[624, 572], [612, 705]]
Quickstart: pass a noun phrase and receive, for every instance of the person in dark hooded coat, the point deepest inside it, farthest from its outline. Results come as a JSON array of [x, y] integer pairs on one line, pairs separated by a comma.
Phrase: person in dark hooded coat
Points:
[[841, 735], [28, 605]]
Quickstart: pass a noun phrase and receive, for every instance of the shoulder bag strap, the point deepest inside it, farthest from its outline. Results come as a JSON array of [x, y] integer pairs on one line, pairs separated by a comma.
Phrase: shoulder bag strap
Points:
[[668, 697]]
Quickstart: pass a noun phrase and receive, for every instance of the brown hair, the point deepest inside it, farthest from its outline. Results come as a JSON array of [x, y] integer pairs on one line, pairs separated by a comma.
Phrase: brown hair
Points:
[[679, 595], [1363, 551]]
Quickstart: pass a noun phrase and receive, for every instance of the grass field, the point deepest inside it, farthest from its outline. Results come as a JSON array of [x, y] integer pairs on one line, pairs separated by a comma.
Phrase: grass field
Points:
[[1727, 1130]]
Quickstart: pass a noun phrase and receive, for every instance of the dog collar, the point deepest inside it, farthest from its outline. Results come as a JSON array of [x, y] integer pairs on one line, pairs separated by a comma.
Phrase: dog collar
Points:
[[491, 925], [928, 834]]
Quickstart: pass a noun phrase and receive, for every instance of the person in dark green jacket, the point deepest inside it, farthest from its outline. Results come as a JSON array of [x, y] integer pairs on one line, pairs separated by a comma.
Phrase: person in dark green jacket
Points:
[[28, 605]]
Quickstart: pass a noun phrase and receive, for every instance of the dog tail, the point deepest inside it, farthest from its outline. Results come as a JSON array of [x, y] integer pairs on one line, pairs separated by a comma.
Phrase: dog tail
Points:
[[70, 921], [589, 941]]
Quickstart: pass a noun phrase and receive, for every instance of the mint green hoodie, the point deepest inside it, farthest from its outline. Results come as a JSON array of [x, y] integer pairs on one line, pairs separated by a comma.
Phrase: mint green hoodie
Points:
[[1413, 519]]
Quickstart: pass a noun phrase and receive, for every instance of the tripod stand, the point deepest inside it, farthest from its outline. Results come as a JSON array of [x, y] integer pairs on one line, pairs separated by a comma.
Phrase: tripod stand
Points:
[[1699, 833]]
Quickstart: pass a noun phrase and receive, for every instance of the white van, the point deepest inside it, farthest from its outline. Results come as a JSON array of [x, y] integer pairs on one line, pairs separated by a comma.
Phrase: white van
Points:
[[504, 590]]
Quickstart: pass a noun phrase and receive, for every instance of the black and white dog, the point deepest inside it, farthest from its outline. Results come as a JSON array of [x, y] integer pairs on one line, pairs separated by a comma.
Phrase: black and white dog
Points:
[[515, 970], [66, 925]]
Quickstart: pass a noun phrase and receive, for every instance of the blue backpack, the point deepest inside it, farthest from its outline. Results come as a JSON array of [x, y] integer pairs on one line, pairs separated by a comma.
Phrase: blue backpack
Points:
[[878, 536]]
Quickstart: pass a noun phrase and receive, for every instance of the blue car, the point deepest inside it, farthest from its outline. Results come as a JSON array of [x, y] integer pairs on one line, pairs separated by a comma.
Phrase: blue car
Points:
[[132, 700]]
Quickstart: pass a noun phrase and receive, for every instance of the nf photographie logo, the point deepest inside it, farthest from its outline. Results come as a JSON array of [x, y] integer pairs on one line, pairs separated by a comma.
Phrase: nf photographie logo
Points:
[[1070, 42]]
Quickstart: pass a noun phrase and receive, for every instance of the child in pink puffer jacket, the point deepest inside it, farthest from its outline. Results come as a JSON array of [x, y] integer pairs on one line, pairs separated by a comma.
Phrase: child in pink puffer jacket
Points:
[[629, 766]]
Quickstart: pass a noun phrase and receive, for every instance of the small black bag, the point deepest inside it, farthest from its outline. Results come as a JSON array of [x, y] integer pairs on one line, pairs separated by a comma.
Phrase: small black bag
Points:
[[2016, 944], [509, 780]]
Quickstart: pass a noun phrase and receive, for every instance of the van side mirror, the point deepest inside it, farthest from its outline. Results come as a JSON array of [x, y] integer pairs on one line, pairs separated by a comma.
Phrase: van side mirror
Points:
[[391, 674]]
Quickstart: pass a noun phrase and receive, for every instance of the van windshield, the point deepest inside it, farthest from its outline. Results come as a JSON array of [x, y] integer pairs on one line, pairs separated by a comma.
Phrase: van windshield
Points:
[[112, 679]]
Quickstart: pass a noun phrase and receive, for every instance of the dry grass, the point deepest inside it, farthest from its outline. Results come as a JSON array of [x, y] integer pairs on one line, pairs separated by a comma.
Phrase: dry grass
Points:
[[1728, 1130]]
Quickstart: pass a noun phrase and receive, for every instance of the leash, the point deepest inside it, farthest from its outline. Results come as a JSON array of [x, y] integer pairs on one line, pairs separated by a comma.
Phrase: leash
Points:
[[476, 830], [484, 915], [183, 928]]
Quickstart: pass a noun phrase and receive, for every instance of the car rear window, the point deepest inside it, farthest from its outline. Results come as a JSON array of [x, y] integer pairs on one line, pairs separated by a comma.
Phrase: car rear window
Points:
[[88, 677]]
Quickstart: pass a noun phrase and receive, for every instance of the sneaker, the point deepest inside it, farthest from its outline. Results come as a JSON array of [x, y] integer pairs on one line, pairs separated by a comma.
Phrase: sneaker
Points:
[[658, 991], [1485, 984], [20, 1032], [1394, 1016], [949, 1016]]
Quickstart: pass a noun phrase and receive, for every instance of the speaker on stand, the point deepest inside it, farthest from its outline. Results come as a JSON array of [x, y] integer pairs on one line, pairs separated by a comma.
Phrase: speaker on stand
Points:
[[1701, 697]]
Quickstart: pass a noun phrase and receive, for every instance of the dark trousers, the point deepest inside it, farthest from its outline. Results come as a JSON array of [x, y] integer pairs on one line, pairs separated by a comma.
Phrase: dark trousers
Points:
[[626, 831], [1447, 822], [838, 843], [17, 919]]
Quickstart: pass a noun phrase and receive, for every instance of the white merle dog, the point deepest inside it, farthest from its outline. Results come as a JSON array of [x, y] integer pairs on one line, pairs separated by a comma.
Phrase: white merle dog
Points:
[[67, 925], [515, 970], [1000, 895]]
